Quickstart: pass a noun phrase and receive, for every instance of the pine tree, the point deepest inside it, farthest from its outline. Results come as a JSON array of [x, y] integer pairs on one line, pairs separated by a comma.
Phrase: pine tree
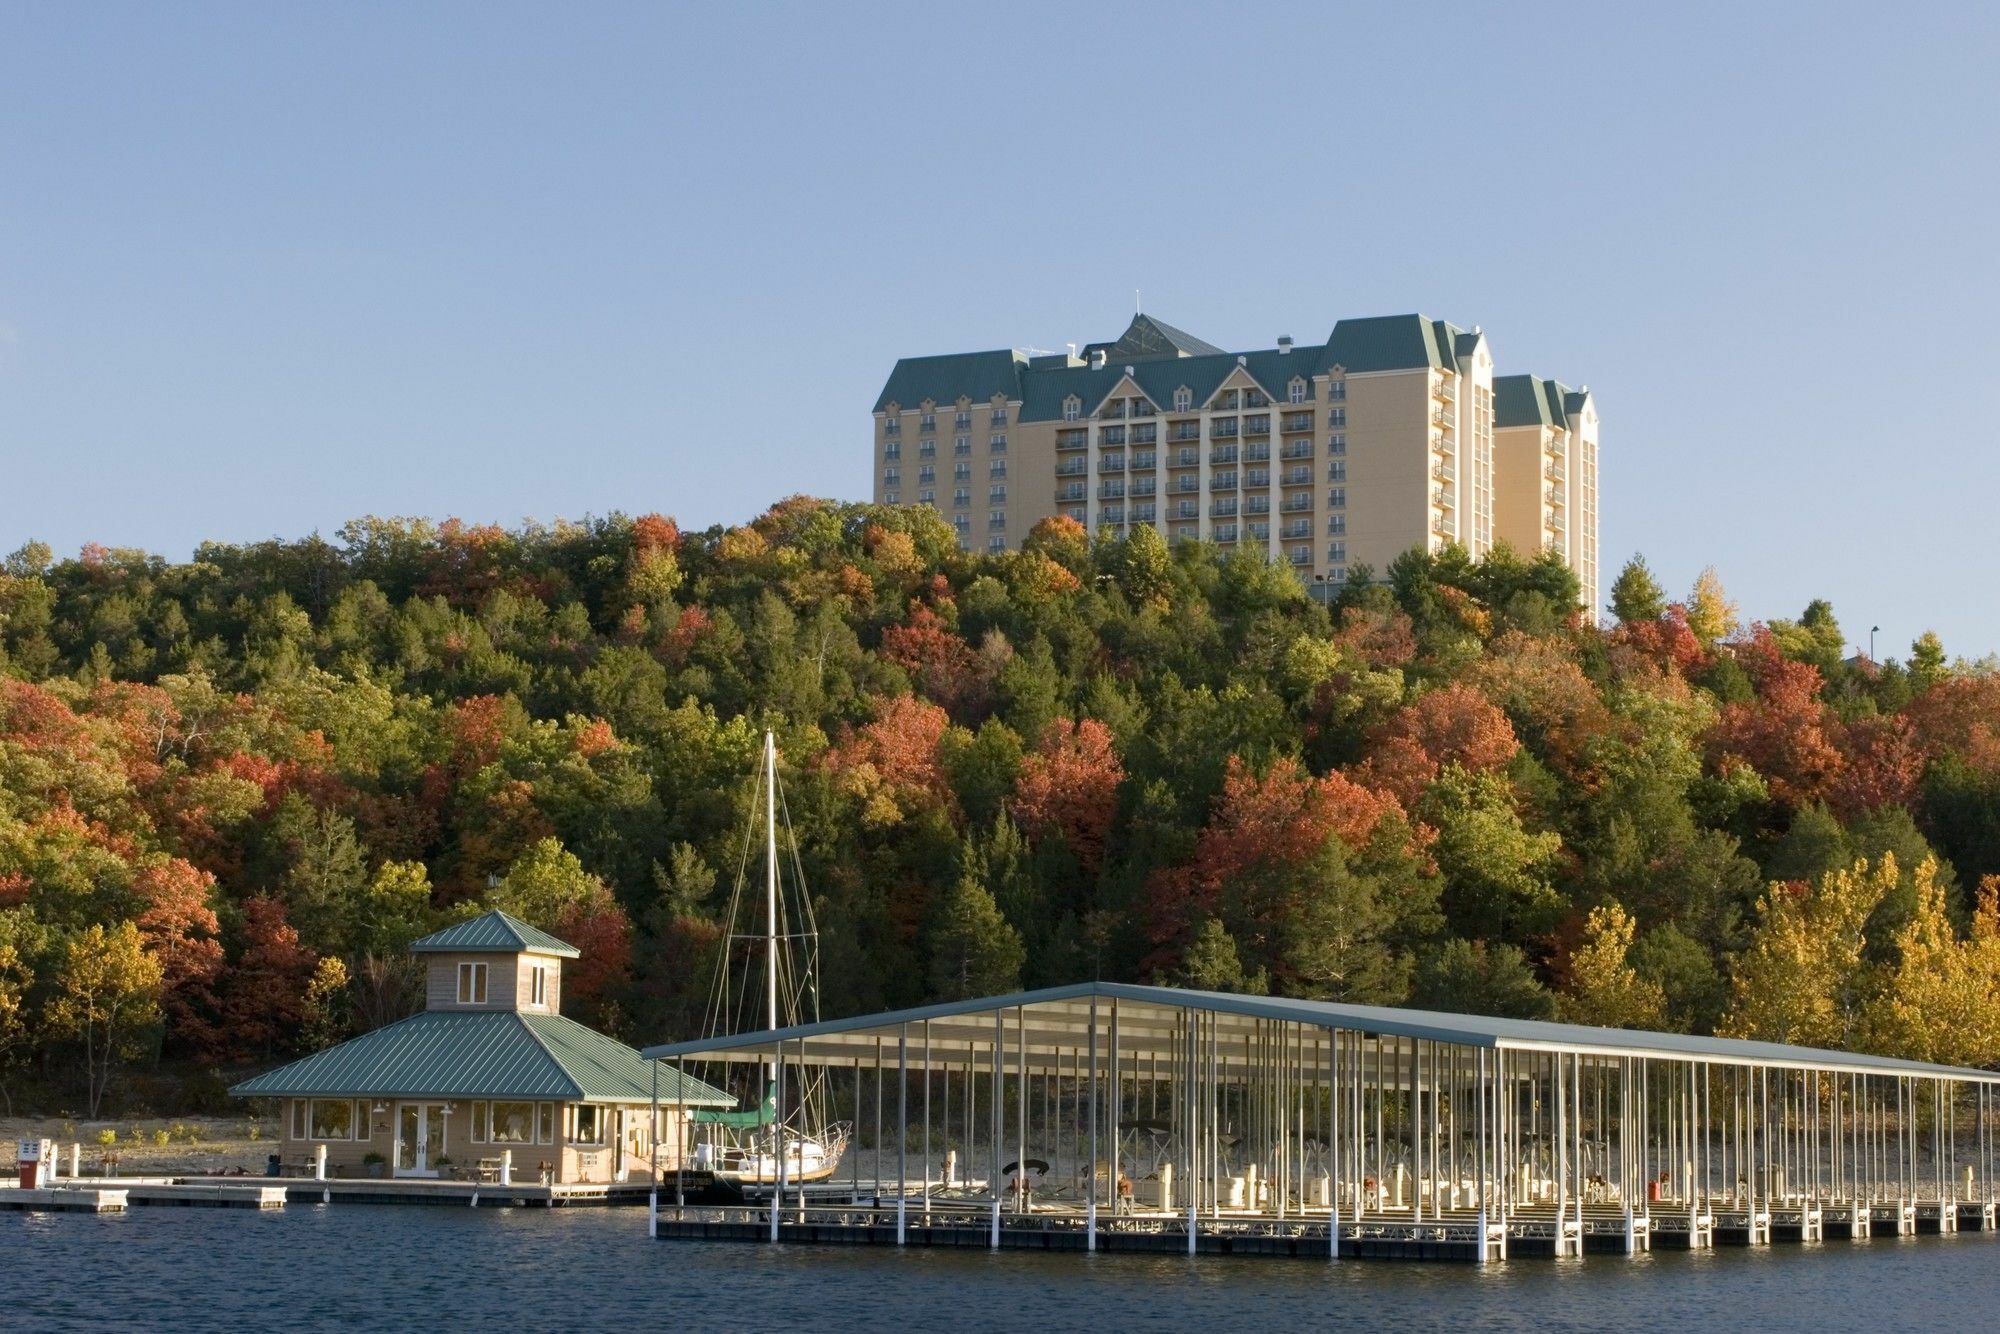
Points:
[[974, 952], [1636, 595]]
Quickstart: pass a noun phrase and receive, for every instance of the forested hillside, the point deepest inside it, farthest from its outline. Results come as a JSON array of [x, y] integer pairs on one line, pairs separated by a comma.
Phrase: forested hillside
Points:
[[232, 789]]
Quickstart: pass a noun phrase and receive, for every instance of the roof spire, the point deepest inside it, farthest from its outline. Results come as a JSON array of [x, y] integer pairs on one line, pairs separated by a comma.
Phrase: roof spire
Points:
[[1135, 301]]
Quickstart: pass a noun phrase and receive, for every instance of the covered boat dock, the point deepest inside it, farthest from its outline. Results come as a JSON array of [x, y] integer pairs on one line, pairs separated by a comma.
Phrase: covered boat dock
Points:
[[1107, 1116]]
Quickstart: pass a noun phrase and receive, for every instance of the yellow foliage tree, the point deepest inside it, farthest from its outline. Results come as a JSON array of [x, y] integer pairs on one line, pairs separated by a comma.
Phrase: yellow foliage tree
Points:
[[1803, 978], [1603, 987], [1710, 613], [1941, 1002], [108, 998]]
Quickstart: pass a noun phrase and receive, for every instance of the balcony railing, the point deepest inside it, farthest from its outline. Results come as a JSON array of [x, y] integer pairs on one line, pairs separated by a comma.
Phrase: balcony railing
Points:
[[1142, 486], [1256, 477], [1302, 556], [1072, 467], [1111, 491], [1142, 513], [1442, 498], [1111, 435], [1225, 532], [1113, 411], [1301, 501], [1111, 463], [1146, 433], [1186, 431], [1187, 484], [1188, 458], [1298, 449], [1298, 529], [1072, 439], [1142, 461], [1444, 472], [1074, 491], [1298, 421], [1222, 454], [1257, 453], [1257, 505], [1257, 425], [1222, 509], [1222, 428], [1298, 477], [1222, 481]]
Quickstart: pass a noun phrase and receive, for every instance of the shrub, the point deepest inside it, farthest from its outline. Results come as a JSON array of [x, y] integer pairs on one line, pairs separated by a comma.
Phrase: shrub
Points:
[[107, 1137]]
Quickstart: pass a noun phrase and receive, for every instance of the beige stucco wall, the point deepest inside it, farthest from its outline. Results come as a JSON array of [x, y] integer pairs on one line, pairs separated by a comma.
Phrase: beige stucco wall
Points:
[[1388, 465], [1519, 458]]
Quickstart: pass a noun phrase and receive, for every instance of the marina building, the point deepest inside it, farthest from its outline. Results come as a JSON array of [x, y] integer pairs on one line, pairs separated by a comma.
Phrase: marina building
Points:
[[1113, 1116], [489, 1081], [1380, 439]]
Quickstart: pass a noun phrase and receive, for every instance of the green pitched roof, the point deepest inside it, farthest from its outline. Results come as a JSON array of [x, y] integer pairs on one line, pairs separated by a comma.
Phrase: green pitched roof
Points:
[[974, 375], [1163, 358], [482, 1054], [1526, 400], [492, 933]]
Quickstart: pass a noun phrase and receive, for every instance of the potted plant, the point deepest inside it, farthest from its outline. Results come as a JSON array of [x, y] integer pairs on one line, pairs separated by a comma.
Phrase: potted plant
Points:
[[373, 1162], [444, 1165]]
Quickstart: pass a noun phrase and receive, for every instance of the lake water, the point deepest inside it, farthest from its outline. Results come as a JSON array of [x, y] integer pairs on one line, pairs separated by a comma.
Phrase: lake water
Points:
[[349, 1267]]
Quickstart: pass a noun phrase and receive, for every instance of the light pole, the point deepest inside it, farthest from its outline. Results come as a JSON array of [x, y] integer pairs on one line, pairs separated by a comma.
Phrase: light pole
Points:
[[1871, 641]]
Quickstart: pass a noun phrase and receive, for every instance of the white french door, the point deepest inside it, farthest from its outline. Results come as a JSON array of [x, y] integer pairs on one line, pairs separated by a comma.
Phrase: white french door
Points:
[[419, 1138]]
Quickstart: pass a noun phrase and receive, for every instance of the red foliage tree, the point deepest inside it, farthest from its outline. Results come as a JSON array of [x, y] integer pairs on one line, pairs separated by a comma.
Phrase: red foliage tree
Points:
[[1071, 783], [1455, 724], [944, 666], [180, 929], [264, 995], [602, 934], [896, 755], [1282, 818], [1786, 733]]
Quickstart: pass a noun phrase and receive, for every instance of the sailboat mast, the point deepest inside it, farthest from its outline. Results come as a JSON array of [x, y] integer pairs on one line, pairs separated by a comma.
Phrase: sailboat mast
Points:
[[771, 879]]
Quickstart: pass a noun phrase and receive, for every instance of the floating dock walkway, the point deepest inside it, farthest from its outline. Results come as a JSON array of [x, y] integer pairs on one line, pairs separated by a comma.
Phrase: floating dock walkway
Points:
[[1112, 1117]]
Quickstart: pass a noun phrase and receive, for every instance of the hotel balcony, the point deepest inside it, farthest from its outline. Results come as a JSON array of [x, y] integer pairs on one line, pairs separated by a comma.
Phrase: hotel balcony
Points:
[[1257, 425], [1222, 454], [1297, 421], [1074, 491], [1442, 498], [1257, 453], [1072, 439], [1111, 435], [1146, 434], [1297, 502], [1111, 491], [1256, 477], [1444, 472], [1298, 449], [1111, 463], [1142, 460], [1142, 486], [1222, 481], [1072, 467], [1222, 428], [1186, 431], [1112, 412], [1222, 509]]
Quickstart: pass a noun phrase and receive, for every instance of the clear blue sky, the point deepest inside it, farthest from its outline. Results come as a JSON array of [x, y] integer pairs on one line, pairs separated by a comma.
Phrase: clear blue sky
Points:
[[267, 267]]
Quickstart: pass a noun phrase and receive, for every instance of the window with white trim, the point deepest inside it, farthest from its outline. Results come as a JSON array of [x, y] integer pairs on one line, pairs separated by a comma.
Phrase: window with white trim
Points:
[[1295, 392], [338, 1118], [589, 1123], [1072, 409], [472, 984], [1183, 399]]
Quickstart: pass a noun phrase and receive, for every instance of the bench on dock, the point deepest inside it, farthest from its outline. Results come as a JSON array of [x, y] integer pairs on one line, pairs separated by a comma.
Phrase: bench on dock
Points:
[[487, 1170]]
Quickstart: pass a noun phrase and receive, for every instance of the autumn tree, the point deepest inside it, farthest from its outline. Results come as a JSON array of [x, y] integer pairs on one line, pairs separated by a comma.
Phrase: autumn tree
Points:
[[15, 979], [1941, 1001], [1710, 614], [1804, 979], [1603, 987], [264, 993], [1070, 785], [107, 997]]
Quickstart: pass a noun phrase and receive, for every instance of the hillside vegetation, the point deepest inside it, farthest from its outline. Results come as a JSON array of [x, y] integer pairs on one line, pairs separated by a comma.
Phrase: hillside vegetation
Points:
[[233, 789]]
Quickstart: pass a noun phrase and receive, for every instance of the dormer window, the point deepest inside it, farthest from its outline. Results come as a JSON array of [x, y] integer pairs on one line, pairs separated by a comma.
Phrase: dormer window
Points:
[[472, 984], [1183, 399], [538, 987], [1072, 409], [1296, 390]]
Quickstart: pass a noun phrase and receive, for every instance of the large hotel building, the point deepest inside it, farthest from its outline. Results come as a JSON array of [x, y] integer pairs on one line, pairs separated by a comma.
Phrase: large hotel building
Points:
[[1394, 433]]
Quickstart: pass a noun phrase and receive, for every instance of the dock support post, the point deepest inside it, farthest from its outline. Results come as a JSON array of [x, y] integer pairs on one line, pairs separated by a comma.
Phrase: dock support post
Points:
[[319, 1162], [1631, 1238], [75, 1161], [993, 1237], [1090, 1222], [1193, 1226], [507, 1170], [903, 1134]]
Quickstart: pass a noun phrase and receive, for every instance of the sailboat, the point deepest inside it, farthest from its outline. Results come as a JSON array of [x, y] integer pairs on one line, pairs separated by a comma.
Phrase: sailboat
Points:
[[756, 1147]]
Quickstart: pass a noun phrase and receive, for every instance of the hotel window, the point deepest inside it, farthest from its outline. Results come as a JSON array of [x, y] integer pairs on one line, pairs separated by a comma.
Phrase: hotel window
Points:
[[999, 416], [333, 1118], [545, 1123], [996, 495], [961, 522], [927, 496], [961, 472], [1337, 417], [1336, 551], [997, 544], [997, 468], [590, 1124], [1076, 514], [1337, 498], [997, 519], [1072, 409], [1336, 444], [962, 496], [1337, 526], [927, 449], [892, 451], [1336, 471], [927, 422], [1337, 390], [891, 498], [1183, 399], [1295, 392], [926, 473], [997, 445], [962, 422], [962, 445], [472, 984], [1337, 575]]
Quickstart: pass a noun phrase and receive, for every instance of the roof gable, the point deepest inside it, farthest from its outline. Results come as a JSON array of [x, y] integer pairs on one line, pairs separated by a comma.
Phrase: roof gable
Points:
[[979, 376], [1147, 337], [492, 932]]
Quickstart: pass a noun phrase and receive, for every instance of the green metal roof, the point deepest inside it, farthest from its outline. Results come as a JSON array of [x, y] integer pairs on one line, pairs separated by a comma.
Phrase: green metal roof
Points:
[[1526, 400], [1463, 1029], [974, 375], [482, 1054], [492, 933], [1162, 359]]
